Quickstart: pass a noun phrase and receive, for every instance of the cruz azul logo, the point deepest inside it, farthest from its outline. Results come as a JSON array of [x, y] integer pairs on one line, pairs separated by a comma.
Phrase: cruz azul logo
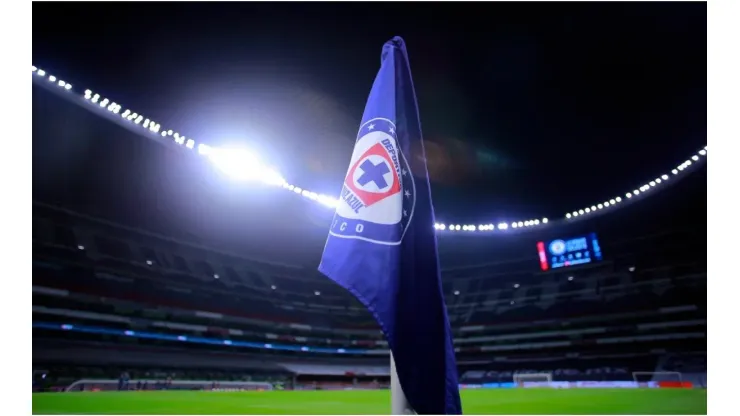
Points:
[[378, 195]]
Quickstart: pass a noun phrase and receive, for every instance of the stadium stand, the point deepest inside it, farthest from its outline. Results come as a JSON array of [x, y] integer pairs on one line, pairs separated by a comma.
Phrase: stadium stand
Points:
[[111, 297]]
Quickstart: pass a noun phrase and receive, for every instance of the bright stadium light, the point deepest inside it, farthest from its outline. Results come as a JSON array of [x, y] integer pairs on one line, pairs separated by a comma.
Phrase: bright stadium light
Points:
[[702, 152], [544, 220], [695, 158], [244, 165], [503, 226]]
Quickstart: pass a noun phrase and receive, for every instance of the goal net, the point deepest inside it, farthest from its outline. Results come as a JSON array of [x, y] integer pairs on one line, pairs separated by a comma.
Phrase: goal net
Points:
[[533, 379], [644, 378]]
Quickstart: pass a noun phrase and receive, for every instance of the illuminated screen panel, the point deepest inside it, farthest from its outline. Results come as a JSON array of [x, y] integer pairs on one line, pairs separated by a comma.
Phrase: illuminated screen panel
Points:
[[568, 252]]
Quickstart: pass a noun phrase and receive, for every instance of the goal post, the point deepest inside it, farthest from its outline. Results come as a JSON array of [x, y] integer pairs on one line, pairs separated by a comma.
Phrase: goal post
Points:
[[643, 377], [533, 379]]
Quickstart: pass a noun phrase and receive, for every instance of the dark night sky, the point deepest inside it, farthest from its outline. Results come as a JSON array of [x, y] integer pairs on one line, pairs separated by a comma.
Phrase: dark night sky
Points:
[[527, 109]]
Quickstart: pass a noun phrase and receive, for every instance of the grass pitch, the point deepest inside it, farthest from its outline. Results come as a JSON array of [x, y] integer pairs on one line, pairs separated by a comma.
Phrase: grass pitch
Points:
[[501, 401]]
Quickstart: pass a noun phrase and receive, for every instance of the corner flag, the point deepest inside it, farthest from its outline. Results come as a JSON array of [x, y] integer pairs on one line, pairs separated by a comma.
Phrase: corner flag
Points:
[[382, 246]]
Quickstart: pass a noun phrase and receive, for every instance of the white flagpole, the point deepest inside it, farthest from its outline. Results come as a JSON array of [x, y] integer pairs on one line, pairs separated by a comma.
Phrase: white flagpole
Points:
[[399, 404]]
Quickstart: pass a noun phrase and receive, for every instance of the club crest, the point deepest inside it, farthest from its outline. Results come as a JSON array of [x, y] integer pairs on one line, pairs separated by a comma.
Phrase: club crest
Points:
[[378, 194]]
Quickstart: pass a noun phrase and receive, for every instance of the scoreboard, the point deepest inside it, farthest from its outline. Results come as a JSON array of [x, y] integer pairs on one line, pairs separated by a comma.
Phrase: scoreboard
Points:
[[568, 252]]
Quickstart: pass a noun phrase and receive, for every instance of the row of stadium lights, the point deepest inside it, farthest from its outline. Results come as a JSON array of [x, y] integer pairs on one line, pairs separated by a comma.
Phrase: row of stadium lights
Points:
[[662, 179], [258, 171]]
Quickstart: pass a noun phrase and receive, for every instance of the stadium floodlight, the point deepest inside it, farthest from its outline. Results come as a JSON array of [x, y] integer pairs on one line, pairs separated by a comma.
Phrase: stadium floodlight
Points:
[[68, 87], [244, 165], [41, 72], [702, 152], [532, 379], [695, 158], [628, 195], [516, 285], [521, 224], [457, 293], [442, 226], [503, 226], [588, 210], [80, 247], [568, 215], [52, 78], [657, 180], [618, 199], [652, 183], [664, 177], [636, 192], [317, 293], [491, 227], [606, 204], [570, 278], [544, 220], [514, 225], [215, 276], [33, 68], [273, 287]]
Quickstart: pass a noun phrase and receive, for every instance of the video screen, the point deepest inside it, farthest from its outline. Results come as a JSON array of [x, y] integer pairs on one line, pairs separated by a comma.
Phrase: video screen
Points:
[[569, 252]]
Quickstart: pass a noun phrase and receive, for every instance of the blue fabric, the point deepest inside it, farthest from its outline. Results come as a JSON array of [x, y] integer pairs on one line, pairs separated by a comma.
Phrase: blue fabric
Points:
[[382, 246]]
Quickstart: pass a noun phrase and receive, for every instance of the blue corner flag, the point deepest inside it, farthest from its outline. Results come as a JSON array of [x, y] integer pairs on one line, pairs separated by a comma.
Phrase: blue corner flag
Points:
[[382, 246]]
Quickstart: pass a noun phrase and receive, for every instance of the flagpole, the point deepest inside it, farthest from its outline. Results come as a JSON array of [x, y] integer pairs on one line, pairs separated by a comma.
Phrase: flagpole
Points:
[[399, 404]]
